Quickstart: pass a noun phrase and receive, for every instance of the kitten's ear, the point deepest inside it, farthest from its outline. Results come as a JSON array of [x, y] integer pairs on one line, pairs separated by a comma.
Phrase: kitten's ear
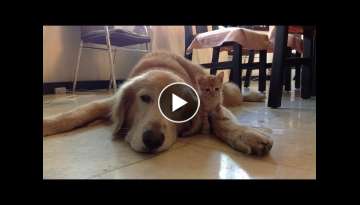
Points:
[[220, 76]]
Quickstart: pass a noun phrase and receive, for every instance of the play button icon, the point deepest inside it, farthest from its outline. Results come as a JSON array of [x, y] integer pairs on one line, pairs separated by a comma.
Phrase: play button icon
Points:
[[178, 102]]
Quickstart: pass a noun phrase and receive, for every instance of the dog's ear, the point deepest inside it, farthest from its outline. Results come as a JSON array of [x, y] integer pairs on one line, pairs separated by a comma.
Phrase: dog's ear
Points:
[[200, 79], [123, 100]]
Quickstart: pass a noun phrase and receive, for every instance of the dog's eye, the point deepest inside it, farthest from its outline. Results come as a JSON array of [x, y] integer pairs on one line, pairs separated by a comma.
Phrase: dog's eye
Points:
[[145, 98], [207, 89], [216, 89]]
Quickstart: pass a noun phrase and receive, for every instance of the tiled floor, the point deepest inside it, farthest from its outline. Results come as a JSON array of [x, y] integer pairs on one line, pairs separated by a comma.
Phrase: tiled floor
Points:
[[90, 152]]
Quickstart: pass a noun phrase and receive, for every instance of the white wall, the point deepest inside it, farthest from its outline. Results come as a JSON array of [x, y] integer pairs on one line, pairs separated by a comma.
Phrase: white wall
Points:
[[60, 50]]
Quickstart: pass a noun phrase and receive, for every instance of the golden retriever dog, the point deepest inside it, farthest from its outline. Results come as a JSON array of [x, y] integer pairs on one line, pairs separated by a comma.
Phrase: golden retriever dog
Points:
[[136, 117]]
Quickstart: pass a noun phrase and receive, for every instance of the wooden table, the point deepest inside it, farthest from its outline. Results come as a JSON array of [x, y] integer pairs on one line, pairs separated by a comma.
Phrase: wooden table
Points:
[[280, 62]]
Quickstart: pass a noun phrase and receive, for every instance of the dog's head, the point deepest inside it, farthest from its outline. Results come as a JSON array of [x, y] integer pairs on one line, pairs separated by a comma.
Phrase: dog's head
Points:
[[136, 115]]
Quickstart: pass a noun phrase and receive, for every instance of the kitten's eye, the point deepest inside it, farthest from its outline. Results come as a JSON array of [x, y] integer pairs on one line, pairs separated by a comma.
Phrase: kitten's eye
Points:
[[207, 89], [216, 89], [145, 98]]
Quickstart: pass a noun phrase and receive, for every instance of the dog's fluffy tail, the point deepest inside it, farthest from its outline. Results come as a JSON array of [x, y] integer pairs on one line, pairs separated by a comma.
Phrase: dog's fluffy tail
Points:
[[233, 97], [254, 97], [77, 117]]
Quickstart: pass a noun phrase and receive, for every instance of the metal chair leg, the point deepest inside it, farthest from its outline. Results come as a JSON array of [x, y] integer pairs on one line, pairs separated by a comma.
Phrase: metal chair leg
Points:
[[111, 76], [110, 56], [77, 67]]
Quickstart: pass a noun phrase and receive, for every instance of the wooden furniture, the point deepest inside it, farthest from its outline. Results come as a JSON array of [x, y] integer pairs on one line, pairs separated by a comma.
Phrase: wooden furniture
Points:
[[237, 50], [281, 62]]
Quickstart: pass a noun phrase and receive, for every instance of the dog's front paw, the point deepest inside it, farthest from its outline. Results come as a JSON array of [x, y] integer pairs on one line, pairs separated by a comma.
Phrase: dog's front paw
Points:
[[48, 127], [251, 141]]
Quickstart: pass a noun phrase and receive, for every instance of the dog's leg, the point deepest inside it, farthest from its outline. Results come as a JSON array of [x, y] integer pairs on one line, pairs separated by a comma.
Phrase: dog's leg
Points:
[[195, 127], [77, 117], [241, 138]]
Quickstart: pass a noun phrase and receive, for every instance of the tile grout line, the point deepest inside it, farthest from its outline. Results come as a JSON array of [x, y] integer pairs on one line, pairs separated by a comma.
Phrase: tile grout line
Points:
[[127, 165], [232, 152]]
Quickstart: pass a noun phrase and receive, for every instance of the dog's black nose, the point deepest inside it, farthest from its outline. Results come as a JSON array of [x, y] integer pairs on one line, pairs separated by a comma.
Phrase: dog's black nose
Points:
[[153, 140]]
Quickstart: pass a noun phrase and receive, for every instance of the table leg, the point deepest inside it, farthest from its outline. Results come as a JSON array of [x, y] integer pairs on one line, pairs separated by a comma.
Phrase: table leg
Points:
[[214, 60], [262, 71], [287, 73], [306, 72], [297, 72], [276, 82], [249, 70], [236, 71], [313, 84]]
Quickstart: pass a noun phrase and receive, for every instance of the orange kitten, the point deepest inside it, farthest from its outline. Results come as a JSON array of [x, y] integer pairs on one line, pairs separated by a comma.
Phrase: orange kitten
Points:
[[211, 98], [211, 91]]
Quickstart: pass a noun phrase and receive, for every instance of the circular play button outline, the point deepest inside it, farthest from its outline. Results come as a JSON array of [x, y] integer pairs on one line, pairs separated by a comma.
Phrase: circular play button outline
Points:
[[197, 108]]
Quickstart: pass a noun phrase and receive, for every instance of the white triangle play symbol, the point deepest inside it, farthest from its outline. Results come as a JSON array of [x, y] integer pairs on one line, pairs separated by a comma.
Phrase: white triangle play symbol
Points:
[[177, 102]]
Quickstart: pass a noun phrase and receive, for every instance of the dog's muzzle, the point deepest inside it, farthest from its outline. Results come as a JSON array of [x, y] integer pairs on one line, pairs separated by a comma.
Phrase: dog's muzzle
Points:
[[153, 139]]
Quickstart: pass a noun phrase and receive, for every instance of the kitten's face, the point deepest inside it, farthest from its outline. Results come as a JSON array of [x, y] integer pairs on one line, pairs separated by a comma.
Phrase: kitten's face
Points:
[[211, 86]]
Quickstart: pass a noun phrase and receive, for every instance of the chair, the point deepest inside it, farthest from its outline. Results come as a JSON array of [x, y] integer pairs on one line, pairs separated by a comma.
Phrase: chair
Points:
[[281, 61], [109, 36], [287, 72], [252, 53], [237, 41], [251, 56], [294, 43]]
